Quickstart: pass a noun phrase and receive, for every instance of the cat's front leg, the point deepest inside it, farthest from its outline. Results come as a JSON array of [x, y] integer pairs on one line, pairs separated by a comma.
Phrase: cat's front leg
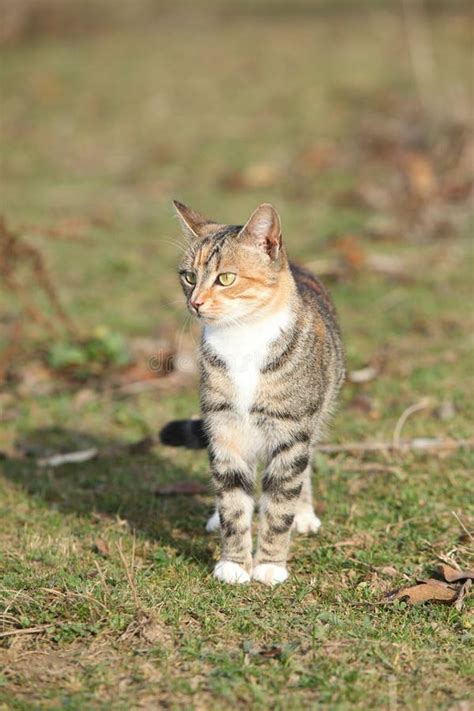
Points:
[[281, 490], [233, 480]]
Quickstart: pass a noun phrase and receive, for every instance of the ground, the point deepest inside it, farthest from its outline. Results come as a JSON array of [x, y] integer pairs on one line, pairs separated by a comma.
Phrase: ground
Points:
[[106, 589]]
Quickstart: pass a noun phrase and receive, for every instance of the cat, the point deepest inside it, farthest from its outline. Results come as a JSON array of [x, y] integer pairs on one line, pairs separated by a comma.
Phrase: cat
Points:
[[271, 363]]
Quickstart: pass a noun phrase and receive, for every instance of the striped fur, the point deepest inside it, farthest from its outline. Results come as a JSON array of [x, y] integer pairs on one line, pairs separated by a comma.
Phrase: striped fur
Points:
[[272, 364]]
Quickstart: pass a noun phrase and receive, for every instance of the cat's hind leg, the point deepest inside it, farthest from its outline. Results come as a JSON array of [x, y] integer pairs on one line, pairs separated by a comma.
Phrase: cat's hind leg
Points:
[[282, 485], [305, 520], [213, 522]]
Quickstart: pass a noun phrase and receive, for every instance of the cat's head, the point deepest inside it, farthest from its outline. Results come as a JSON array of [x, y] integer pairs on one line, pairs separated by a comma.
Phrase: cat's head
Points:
[[233, 273]]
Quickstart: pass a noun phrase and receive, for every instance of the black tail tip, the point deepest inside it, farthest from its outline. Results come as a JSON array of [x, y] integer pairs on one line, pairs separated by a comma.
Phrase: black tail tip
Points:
[[184, 433], [172, 434]]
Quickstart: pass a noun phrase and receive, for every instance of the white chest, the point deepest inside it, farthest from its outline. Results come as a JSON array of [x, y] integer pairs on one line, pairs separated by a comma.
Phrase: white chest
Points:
[[244, 349]]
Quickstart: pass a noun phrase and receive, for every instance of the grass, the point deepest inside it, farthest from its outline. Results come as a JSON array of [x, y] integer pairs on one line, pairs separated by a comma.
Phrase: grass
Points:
[[115, 579]]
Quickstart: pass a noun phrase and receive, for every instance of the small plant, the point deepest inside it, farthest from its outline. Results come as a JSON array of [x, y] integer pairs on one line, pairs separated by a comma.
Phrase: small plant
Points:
[[91, 355]]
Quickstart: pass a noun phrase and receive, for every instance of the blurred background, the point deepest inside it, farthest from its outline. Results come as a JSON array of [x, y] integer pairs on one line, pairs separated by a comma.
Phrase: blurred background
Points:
[[354, 117]]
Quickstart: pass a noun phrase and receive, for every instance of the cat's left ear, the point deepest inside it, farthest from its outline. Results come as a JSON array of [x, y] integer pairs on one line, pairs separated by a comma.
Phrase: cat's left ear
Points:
[[193, 224], [264, 228]]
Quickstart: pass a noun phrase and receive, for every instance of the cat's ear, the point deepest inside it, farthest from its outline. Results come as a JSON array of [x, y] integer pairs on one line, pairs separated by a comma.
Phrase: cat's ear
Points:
[[264, 229], [193, 224]]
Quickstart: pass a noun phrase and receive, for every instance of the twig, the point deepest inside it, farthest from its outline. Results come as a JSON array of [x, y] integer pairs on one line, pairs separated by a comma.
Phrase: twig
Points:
[[370, 468], [14, 252], [86, 596], [466, 531], [129, 575], [419, 444], [27, 630], [463, 593], [69, 458], [421, 405]]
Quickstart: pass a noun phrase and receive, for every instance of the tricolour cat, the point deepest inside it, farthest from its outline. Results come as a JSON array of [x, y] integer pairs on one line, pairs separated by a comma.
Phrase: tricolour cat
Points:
[[272, 363]]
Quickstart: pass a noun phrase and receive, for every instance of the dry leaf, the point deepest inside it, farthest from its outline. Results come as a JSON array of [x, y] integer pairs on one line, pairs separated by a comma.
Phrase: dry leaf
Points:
[[272, 652], [452, 575], [188, 487], [350, 249], [429, 591], [101, 547], [419, 173]]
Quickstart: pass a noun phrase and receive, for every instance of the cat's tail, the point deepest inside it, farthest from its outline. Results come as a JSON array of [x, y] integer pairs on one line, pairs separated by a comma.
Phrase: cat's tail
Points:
[[185, 433]]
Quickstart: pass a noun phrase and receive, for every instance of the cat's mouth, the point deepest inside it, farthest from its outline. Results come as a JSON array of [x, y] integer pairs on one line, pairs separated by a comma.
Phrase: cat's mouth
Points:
[[203, 316]]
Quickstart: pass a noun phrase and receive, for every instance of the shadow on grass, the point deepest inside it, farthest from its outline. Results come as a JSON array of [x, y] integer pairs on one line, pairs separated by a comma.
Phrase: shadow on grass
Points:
[[116, 484]]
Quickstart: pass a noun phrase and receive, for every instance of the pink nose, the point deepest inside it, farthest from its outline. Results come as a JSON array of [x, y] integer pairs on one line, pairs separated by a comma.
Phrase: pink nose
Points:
[[197, 302]]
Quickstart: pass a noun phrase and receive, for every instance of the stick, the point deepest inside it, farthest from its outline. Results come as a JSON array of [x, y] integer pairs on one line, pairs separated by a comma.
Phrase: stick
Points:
[[424, 444], [466, 531], [69, 458], [29, 630], [421, 405]]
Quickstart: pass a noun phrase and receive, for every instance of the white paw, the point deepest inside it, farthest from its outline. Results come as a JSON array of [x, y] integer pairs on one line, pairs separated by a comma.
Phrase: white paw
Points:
[[230, 572], [269, 574], [213, 523], [306, 522]]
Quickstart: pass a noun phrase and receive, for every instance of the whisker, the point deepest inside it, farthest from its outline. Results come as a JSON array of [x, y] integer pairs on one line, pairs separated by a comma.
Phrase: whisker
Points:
[[173, 243]]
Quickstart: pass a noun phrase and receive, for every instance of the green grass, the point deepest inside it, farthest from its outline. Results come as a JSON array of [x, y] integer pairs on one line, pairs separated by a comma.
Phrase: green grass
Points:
[[108, 130]]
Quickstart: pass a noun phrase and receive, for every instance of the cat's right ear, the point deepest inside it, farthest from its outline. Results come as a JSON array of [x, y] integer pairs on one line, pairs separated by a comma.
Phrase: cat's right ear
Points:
[[264, 229], [193, 224]]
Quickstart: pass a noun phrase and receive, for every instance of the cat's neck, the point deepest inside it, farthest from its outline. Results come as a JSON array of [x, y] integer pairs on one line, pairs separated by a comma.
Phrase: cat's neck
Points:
[[266, 326]]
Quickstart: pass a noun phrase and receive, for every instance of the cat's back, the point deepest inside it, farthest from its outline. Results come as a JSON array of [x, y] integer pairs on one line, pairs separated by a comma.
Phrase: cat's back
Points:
[[320, 310], [312, 291]]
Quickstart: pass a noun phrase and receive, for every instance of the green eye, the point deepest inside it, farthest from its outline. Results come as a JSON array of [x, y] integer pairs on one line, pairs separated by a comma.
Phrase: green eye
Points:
[[190, 277], [226, 279]]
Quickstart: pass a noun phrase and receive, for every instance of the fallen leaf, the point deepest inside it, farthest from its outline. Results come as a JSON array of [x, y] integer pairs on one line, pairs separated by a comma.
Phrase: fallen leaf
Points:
[[452, 575], [418, 170], [273, 652], [101, 547], [350, 249], [429, 591], [188, 487]]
